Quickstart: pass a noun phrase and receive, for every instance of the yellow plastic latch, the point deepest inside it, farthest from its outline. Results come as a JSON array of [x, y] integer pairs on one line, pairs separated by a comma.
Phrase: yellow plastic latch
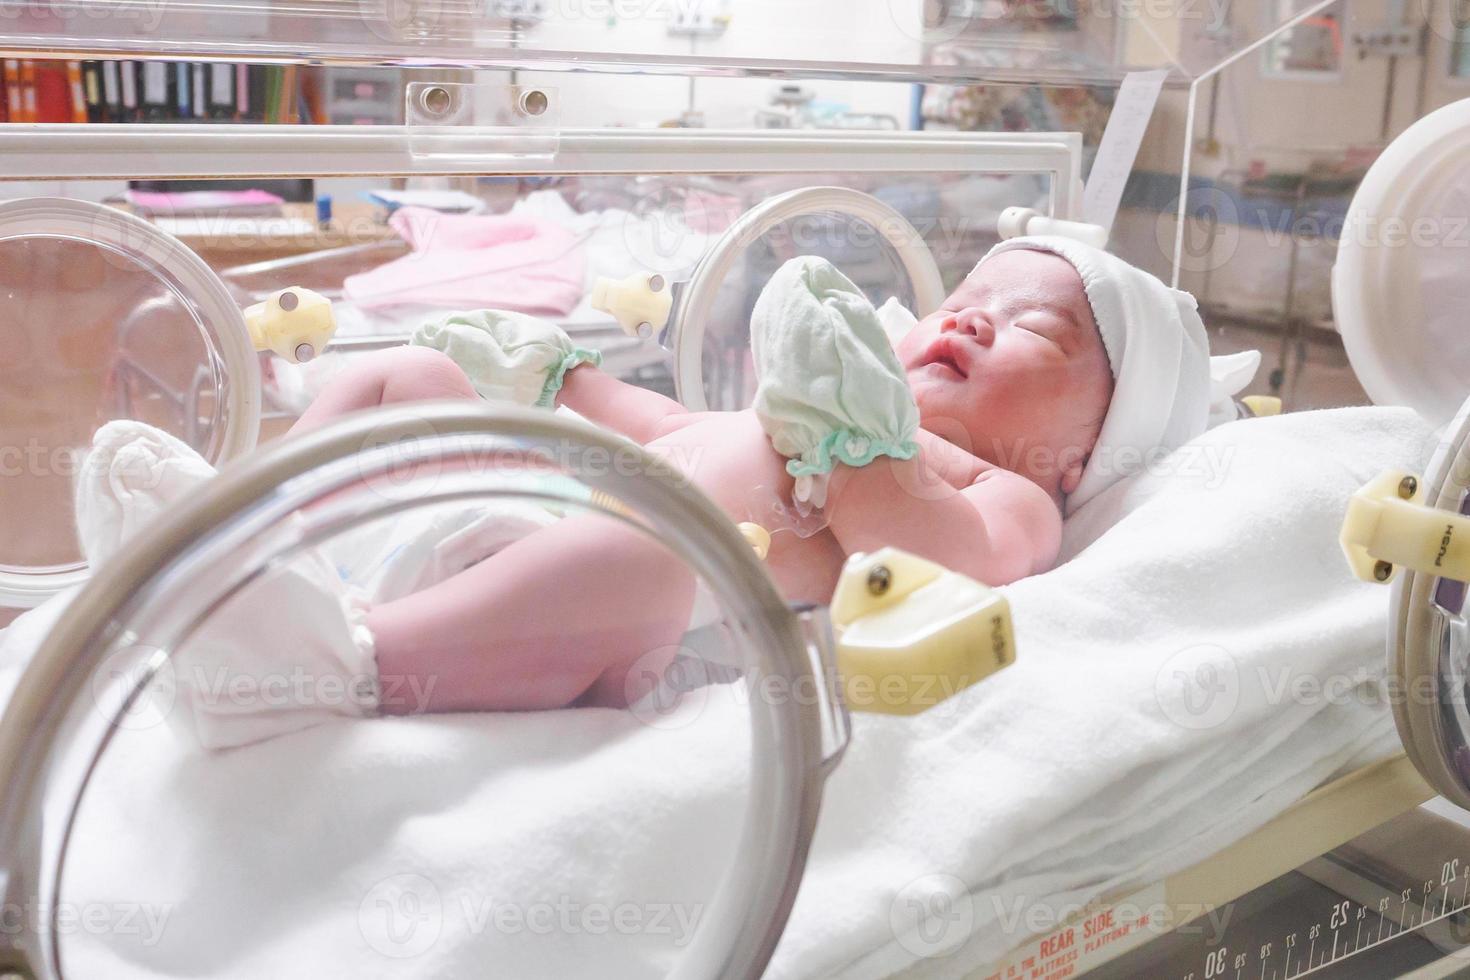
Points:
[[758, 538], [640, 303], [1388, 525], [295, 323], [1262, 405], [911, 633]]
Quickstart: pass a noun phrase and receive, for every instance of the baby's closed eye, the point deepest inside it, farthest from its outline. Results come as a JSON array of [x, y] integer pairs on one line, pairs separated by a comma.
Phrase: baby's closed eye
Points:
[[1047, 326]]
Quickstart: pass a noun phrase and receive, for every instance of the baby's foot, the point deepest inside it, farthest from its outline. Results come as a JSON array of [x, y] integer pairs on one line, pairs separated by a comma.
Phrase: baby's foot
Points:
[[133, 472], [507, 356]]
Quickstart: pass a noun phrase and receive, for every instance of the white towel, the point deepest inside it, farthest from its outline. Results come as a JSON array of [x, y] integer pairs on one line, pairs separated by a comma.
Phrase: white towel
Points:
[[369, 848], [1099, 762]]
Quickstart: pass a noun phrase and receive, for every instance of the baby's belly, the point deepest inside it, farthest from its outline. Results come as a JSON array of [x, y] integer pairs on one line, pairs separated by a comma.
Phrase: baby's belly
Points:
[[728, 456]]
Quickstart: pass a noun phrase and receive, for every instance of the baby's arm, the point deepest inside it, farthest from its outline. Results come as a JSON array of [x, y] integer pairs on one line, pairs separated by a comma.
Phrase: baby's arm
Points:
[[948, 462], [635, 412], [1000, 528]]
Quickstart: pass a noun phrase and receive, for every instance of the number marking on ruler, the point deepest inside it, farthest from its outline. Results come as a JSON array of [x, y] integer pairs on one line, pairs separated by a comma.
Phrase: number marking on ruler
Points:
[[1329, 959]]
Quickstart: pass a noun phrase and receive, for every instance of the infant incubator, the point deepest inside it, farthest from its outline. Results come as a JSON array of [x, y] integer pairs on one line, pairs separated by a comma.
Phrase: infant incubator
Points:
[[924, 777]]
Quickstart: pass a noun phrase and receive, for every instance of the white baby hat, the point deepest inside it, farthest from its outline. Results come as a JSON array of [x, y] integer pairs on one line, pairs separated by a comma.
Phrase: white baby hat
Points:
[[1167, 389]]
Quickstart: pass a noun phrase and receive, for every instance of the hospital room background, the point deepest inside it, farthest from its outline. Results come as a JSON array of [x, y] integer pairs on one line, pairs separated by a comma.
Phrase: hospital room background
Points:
[[1225, 736], [1282, 136]]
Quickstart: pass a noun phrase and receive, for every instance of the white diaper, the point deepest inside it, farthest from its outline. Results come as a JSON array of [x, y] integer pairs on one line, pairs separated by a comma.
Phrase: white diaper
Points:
[[290, 650], [415, 550]]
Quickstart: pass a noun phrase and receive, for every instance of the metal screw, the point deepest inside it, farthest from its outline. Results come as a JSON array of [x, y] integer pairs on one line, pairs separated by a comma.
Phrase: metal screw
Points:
[[645, 329], [1382, 570], [304, 353], [288, 301], [1408, 486], [880, 579], [436, 100], [535, 102], [656, 283]]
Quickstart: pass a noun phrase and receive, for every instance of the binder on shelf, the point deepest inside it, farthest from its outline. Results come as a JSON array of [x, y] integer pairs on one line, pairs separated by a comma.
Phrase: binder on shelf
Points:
[[196, 86], [181, 104], [27, 90], [50, 90], [95, 103], [280, 94], [128, 75], [112, 105], [242, 92], [313, 98], [53, 90], [13, 109], [221, 86], [259, 97], [76, 93], [272, 95], [154, 103], [290, 105]]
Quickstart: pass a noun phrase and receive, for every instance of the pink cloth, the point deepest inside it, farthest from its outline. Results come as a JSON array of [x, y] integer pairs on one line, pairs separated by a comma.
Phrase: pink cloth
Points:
[[471, 261], [189, 202], [710, 213]]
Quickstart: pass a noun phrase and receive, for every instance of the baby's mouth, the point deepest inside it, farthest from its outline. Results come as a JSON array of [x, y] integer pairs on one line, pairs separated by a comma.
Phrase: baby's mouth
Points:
[[942, 352]]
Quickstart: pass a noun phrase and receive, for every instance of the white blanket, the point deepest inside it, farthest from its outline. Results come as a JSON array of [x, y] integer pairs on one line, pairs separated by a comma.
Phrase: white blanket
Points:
[[1151, 719]]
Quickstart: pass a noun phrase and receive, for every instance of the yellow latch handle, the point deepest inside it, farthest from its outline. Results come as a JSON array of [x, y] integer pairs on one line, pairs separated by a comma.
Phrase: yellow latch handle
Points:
[[1263, 406], [758, 538], [911, 633], [640, 303], [1388, 525], [295, 323]]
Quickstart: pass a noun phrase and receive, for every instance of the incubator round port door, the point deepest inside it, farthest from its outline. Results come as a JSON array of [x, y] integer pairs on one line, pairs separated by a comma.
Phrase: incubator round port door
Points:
[[1401, 291], [705, 321], [664, 836], [102, 316]]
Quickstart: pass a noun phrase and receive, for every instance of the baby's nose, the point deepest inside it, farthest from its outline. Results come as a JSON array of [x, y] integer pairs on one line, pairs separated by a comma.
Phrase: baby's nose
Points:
[[973, 322]]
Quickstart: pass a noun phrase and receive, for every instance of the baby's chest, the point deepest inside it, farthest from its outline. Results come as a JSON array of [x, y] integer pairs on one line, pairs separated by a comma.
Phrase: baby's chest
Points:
[[729, 457]]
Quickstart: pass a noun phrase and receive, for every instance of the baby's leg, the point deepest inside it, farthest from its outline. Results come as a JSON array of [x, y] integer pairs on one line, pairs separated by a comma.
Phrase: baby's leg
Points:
[[399, 374], [561, 617], [554, 618], [637, 413]]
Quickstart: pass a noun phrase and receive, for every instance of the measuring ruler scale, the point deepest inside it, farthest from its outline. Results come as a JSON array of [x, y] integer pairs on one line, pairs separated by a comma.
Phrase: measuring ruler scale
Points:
[[1393, 902]]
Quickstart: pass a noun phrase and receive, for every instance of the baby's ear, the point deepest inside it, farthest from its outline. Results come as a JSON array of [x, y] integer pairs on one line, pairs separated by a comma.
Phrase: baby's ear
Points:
[[1072, 468]]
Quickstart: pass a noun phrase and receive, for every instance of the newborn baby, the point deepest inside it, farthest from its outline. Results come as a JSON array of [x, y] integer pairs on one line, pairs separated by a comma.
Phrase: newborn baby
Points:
[[995, 415]]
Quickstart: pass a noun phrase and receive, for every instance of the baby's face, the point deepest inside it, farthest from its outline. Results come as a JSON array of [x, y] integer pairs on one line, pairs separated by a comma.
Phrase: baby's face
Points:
[[1013, 363]]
